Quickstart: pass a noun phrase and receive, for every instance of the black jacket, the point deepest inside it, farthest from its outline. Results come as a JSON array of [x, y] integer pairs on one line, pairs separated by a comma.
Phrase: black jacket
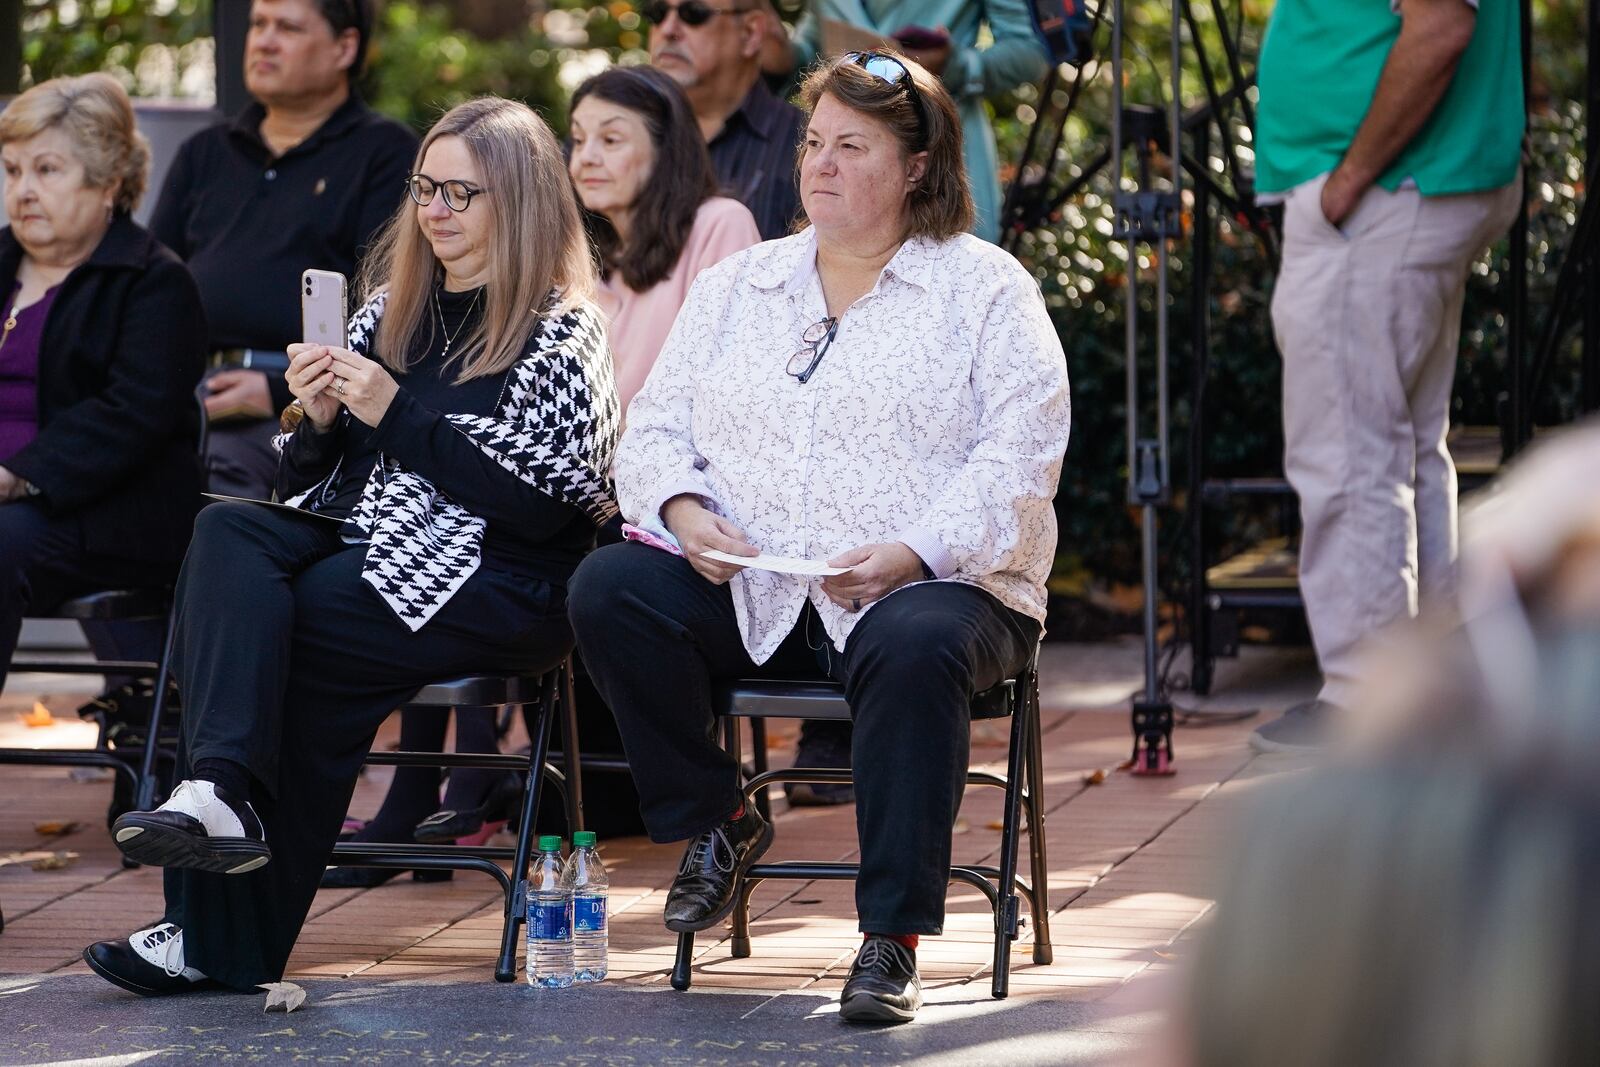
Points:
[[122, 351]]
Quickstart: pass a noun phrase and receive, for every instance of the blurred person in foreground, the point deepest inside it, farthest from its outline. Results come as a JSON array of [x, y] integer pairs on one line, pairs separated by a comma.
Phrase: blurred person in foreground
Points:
[[101, 347], [883, 391], [1428, 898], [446, 475]]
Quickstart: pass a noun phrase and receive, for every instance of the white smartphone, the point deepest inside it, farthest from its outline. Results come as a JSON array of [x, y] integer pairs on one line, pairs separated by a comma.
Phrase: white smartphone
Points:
[[324, 308]]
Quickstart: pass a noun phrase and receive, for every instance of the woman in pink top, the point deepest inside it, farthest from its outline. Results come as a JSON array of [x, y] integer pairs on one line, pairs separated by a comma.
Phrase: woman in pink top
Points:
[[644, 176]]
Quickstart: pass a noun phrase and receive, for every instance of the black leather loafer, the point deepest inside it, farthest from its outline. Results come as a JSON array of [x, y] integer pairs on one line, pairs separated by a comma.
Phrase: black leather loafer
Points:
[[703, 893]]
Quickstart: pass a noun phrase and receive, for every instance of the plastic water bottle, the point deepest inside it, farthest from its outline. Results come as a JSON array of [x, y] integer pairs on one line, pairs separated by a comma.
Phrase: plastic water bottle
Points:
[[549, 919], [590, 886]]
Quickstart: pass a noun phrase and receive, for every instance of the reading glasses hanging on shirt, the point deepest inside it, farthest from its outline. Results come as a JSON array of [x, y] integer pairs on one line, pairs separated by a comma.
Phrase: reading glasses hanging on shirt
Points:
[[817, 338]]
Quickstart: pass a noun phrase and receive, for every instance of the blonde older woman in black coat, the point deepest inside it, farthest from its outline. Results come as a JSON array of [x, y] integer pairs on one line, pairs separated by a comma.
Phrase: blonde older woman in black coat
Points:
[[102, 345]]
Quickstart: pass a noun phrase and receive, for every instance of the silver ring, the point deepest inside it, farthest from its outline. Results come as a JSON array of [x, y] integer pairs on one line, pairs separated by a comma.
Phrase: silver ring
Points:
[[338, 386], [855, 605]]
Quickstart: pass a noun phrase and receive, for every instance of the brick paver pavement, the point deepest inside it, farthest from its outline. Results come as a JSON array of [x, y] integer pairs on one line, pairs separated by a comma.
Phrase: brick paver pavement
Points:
[[1130, 863]]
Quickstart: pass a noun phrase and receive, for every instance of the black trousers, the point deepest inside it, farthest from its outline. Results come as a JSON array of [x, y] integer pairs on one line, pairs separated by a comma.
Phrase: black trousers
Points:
[[288, 662], [43, 561], [656, 636]]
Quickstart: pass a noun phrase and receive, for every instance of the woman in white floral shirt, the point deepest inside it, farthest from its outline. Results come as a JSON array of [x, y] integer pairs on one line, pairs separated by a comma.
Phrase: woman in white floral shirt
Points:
[[881, 391]]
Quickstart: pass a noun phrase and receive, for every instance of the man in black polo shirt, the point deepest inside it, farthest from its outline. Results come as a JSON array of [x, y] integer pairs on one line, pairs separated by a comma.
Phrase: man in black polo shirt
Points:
[[713, 49], [301, 178]]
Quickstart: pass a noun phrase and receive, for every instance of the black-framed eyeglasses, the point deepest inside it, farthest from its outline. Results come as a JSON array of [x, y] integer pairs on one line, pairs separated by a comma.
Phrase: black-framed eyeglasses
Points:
[[692, 12], [457, 194], [883, 65], [816, 339]]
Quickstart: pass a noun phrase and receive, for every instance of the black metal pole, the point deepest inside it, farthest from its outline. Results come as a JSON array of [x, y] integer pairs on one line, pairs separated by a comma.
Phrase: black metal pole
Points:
[[1200, 366], [1591, 258], [1518, 418], [230, 21], [10, 47]]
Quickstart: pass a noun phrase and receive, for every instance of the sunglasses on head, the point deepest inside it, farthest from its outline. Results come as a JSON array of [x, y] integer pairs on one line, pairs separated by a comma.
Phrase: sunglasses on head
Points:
[[690, 12], [887, 68]]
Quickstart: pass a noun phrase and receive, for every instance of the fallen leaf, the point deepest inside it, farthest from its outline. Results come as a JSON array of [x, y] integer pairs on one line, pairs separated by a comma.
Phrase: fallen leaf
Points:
[[960, 827], [284, 995], [1164, 955], [56, 827], [39, 716], [997, 825], [55, 861], [1126, 765], [1095, 777]]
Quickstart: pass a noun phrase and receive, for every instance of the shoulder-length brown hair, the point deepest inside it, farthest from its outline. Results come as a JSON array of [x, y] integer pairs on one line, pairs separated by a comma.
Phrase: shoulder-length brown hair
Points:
[[537, 243], [681, 177], [940, 205]]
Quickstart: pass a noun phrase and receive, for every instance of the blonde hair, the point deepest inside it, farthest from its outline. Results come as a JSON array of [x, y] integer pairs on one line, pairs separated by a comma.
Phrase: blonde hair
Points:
[[95, 112], [538, 242]]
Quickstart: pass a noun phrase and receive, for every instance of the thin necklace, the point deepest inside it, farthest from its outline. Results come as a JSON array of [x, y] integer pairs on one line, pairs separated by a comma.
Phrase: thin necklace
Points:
[[11, 319], [448, 340]]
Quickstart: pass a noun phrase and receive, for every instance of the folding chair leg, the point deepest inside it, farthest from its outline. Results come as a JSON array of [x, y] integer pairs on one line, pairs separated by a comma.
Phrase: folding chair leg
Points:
[[758, 741], [145, 799], [1007, 904], [682, 962], [1040, 882], [740, 947], [570, 758], [516, 912]]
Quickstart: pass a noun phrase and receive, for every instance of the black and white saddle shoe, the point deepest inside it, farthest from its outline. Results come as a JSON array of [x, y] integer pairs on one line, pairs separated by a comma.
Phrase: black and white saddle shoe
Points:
[[147, 962], [200, 826]]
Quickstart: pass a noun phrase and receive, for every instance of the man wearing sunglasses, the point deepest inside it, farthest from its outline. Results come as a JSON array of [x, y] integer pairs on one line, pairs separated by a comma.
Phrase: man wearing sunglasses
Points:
[[712, 48], [301, 178], [941, 35]]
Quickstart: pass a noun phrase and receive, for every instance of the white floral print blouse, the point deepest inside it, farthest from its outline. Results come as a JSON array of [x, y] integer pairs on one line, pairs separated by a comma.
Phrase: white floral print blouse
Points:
[[938, 417]]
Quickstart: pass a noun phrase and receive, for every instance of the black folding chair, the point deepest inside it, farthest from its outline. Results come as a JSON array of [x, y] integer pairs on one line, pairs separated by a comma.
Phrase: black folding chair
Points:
[[121, 605], [548, 694], [760, 699]]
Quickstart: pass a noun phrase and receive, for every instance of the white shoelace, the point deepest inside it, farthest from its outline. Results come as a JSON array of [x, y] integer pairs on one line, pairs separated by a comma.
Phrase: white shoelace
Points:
[[691, 859], [165, 942]]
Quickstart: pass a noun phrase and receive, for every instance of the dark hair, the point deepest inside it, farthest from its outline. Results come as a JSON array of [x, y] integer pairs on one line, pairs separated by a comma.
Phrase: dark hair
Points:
[[680, 180], [350, 15], [940, 205]]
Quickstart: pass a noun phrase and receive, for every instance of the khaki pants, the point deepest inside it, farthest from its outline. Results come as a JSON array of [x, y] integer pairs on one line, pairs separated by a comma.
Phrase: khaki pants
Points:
[[1368, 318]]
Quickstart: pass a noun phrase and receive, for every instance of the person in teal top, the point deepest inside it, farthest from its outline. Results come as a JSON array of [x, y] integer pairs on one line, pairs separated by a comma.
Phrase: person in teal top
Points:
[[942, 35], [1392, 131], [1320, 69]]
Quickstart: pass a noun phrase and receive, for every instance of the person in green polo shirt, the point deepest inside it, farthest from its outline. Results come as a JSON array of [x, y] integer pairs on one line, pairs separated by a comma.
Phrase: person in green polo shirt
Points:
[[1392, 130]]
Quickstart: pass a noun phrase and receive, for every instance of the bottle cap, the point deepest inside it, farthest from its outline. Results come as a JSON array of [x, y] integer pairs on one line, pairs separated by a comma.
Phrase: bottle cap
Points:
[[550, 843], [583, 839]]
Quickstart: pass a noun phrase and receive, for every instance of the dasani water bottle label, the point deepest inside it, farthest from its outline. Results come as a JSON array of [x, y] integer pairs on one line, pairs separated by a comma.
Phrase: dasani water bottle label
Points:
[[589, 914], [550, 922]]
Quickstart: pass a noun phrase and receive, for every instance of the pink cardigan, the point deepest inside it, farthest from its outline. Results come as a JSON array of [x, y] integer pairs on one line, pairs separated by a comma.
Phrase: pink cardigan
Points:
[[639, 322]]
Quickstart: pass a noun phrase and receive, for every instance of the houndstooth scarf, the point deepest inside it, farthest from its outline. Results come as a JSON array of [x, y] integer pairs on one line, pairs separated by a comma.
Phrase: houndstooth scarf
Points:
[[555, 426]]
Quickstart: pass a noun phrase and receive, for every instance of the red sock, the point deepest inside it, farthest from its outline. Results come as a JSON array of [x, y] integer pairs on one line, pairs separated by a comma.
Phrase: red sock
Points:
[[738, 813], [905, 940]]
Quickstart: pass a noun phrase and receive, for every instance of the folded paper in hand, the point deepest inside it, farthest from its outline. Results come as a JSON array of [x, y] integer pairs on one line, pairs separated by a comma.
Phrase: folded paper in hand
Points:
[[780, 564]]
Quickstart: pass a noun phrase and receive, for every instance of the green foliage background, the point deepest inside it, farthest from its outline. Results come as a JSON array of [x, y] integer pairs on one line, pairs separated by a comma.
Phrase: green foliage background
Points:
[[424, 63]]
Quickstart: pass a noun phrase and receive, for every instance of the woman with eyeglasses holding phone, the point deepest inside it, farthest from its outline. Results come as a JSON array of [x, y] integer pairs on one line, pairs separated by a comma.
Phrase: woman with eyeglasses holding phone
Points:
[[643, 173], [446, 477], [881, 391]]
